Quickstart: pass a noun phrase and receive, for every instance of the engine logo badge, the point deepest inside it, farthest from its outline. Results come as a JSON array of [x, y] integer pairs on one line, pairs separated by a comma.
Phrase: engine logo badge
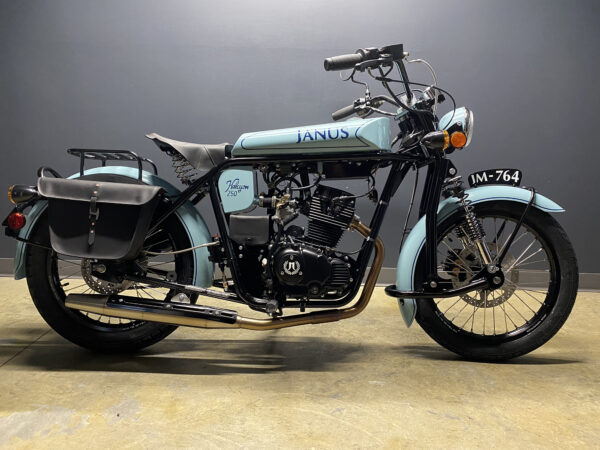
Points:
[[291, 267]]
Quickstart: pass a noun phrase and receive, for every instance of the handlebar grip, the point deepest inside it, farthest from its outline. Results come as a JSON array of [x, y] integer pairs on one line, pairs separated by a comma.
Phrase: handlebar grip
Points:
[[343, 112], [342, 62]]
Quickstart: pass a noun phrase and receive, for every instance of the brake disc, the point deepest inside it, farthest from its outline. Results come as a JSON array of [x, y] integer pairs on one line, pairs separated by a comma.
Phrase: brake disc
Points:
[[102, 286], [482, 298]]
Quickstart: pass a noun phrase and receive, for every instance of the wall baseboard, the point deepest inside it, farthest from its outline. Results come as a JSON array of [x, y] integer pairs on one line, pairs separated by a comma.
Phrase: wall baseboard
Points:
[[587, 281]]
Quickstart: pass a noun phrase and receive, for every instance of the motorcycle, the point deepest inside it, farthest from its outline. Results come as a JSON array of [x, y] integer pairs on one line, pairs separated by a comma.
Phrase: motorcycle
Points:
[[116, 257]]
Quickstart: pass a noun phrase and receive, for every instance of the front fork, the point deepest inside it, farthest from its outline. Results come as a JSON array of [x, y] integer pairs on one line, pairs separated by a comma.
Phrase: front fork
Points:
[[441, 174], [473, 230], [484, 253]]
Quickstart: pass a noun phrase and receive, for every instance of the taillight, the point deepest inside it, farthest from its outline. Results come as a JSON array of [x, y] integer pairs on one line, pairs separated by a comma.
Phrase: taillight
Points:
[[16, 221]]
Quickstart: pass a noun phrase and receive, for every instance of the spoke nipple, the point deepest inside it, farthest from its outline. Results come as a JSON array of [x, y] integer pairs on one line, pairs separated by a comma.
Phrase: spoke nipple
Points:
[[433, 284]]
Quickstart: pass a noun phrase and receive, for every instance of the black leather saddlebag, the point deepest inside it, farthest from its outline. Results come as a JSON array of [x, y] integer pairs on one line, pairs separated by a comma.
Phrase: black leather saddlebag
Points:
[[95, 219]]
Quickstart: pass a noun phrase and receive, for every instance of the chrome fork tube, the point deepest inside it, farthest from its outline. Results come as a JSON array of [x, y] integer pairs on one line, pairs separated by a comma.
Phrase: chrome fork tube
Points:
[[484, 252]]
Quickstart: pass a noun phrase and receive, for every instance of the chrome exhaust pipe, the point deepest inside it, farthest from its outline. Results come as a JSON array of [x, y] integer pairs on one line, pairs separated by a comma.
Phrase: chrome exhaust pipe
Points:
[[207, 317], [134, 308]]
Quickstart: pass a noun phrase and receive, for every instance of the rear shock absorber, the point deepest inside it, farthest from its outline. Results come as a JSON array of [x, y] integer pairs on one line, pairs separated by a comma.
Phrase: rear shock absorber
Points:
[[473, 228]]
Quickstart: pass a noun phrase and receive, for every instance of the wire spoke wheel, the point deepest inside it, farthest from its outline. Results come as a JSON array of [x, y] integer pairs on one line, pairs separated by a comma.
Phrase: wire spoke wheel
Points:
[[529, 274], [51, 277], [535, 299], [74, 276]]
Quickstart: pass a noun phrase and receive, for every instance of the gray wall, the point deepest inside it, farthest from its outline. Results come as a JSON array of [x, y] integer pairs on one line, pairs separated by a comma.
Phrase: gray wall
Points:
[[102, 74]]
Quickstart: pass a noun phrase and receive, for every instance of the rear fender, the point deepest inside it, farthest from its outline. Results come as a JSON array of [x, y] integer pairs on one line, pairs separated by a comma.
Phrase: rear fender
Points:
[[407, 261], [190, 218]]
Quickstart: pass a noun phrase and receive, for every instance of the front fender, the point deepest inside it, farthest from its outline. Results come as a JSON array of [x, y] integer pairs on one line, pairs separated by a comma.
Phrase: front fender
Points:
[[407, 261], [194, 224]]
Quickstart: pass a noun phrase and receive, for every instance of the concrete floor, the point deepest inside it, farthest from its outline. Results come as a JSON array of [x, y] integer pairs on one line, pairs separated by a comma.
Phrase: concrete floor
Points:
[[366, 382]]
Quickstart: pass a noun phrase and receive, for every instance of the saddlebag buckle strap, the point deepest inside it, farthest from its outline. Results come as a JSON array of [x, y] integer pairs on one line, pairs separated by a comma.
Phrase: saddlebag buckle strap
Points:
[[94, 214]]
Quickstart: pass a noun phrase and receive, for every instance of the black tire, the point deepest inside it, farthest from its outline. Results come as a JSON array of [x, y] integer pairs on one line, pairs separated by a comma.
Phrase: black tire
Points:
[[543, 325], [48, 296]]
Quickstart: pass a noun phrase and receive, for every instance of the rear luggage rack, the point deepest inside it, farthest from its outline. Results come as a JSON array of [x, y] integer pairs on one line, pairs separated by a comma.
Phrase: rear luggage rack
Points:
[[110, 155]]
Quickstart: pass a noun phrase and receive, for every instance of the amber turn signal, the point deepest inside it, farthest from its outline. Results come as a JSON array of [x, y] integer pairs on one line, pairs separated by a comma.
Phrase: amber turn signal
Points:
[[16, 221], [10, 197], [436, 140], [458, 139], [446, 140], [19, 193]]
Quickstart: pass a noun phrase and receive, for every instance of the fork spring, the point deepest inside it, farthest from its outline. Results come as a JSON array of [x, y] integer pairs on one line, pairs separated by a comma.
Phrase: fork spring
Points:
[[473, 228]]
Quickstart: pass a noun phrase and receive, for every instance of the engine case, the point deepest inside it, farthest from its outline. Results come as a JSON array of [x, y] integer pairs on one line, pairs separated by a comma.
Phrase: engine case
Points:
[[308, 272]]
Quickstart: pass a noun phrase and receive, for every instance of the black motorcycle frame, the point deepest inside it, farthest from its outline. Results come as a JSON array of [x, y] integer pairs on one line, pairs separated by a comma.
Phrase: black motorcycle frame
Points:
[[400, 164]]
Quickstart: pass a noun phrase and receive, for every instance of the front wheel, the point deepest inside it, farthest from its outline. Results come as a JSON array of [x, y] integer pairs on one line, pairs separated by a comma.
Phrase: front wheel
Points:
[[539, 291]]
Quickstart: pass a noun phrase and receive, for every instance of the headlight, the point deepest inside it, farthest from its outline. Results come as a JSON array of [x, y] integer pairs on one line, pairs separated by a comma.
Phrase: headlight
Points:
[[469, 126], [459, 125]]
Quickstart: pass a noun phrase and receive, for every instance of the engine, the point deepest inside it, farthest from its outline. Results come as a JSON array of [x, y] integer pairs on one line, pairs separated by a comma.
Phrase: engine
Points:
[[307, 264], [282, 260]]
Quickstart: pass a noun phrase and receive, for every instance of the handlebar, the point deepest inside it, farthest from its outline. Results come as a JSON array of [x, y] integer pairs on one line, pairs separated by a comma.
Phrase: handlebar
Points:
[[342, 62], [362, 107], [344, 112], [377, 56], [367, 59]]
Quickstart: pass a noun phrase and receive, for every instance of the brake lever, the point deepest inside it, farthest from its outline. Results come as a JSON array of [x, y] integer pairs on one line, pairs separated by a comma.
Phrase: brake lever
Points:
[[365, 103], [382, 112], [380, 99], [366, 107], [383, 61]]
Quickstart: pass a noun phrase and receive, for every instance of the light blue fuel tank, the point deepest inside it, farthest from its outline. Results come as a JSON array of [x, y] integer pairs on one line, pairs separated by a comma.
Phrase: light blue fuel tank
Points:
[[339, 137]]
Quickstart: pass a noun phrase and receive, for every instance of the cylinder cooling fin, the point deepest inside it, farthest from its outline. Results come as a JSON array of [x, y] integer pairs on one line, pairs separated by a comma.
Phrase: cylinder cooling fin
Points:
[[330, 213]]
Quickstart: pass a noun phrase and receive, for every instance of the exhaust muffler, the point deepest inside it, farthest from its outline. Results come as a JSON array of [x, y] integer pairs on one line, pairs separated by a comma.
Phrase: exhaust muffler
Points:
[[207, 317]]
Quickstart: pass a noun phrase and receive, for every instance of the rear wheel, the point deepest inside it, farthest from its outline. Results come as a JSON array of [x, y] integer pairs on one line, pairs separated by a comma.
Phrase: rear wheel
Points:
[[51, 277], [534, 302]]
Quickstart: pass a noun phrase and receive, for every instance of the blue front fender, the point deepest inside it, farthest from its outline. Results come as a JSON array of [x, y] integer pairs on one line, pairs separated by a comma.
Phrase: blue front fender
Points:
[[190, 218], [407, 261]]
